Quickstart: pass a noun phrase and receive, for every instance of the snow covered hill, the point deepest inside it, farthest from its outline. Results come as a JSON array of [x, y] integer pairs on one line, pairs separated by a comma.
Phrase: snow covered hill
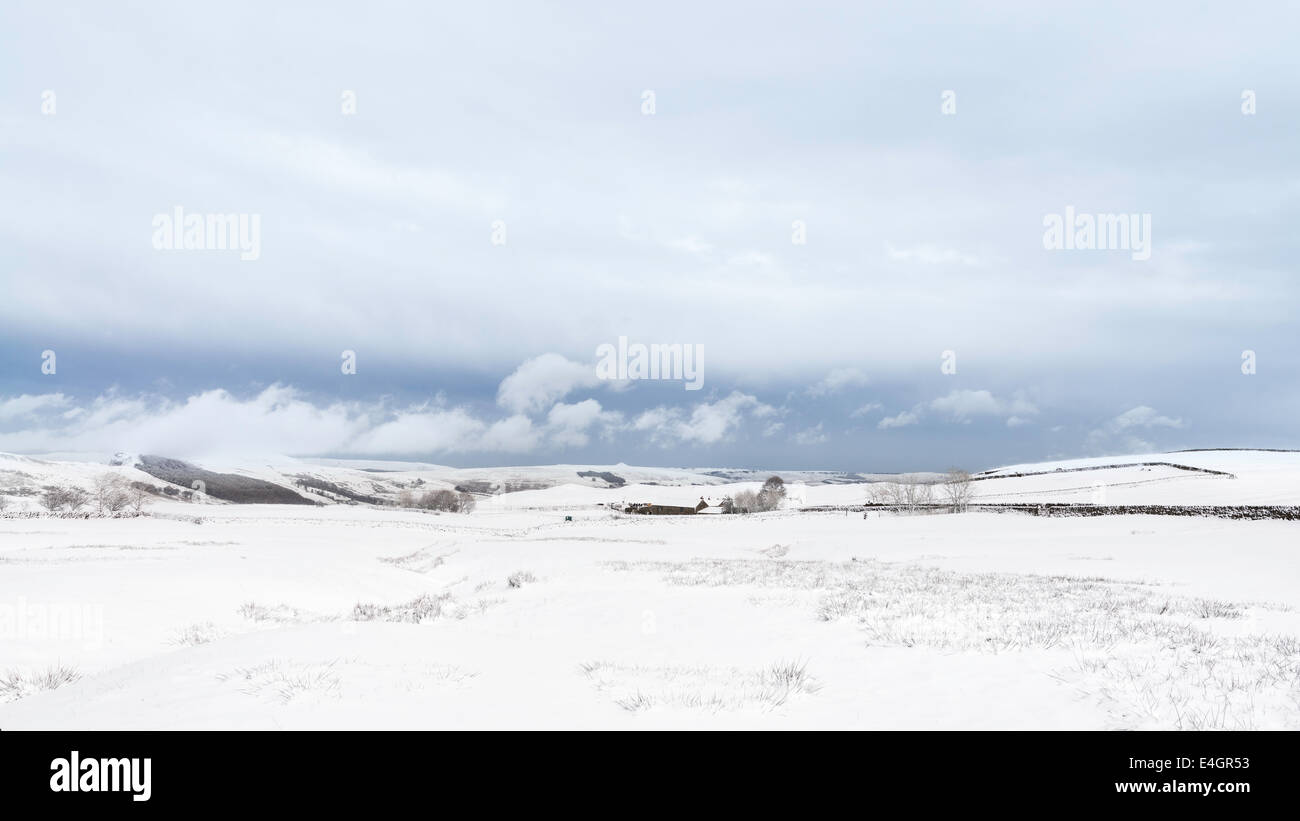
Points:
[[1215, 477], [543, 608]]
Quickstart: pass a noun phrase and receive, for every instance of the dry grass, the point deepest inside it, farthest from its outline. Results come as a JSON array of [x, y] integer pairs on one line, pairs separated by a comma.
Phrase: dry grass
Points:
[[278, 614], [425, 607], [15, 684], [284, 682], [1229, 683], [420, 561], [1151, 659], [637, 688], [196, 634], [519, 578]]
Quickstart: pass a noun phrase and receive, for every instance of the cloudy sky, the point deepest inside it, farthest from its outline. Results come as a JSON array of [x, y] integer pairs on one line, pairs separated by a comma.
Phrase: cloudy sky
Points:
[[472, 200]]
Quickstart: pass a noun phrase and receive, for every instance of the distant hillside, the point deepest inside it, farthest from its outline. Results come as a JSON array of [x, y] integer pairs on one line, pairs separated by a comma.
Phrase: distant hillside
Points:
[[610, 479], [228, 487], [1223, 477]]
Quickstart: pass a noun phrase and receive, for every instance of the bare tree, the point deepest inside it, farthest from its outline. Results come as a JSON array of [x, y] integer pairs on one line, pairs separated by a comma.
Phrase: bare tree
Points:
[[51, 499], [958, 490], [917, 494], [447, 500], [111, 493], [103, 486], [908, 493], [75, 499], [438, 500], [880, 493], [4, 503], [746, 501], [772, 494], [138, 495]]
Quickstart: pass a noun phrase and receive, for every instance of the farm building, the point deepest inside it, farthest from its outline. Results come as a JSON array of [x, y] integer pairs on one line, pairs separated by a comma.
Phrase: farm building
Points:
[[652, 509]]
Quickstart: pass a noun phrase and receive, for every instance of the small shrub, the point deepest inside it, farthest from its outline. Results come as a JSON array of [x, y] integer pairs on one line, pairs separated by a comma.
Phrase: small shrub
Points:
[[196, 634], [15, 685], [772, 494], [424, 607], [746, 501], [450, 501], [112, 493], [520, 578], [51, 499]]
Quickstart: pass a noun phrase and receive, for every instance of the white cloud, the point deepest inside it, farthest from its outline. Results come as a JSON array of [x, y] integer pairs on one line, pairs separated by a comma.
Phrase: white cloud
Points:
[[567, 425], [752, 259], [837, 380], [960, 405], [576, 416], [283, 420], [964, 406], [900, 420], [1122, 432], [514, 434], [811, 436], [541, 381], [866, 409], [690, 245], [655, 418], [930, 255], [31, 403], [1144, 417], [709, 422], [278, 420], [419, 432], [327, 162]]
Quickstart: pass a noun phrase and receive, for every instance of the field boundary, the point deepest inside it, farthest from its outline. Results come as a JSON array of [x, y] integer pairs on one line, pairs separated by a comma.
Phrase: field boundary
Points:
[[979, 477], [1284, 512]]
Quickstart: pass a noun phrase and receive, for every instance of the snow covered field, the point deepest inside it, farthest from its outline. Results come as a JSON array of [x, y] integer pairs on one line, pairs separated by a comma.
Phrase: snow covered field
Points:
[[299, 616]]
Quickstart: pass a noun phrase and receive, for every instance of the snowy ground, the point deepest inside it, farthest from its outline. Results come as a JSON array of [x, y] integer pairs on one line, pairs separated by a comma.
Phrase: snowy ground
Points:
[[222, 616]]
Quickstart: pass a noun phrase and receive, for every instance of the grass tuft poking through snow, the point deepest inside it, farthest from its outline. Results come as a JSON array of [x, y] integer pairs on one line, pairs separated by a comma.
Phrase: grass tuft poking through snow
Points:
[[196, 634], [279, 614], [15, 684], [425, 607], [519, 578], [283, 682], [1154, 660], [637, 688], [419, 561]]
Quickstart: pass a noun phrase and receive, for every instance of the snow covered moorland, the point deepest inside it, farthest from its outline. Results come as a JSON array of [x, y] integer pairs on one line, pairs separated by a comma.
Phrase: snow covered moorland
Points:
[[544, 607]]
